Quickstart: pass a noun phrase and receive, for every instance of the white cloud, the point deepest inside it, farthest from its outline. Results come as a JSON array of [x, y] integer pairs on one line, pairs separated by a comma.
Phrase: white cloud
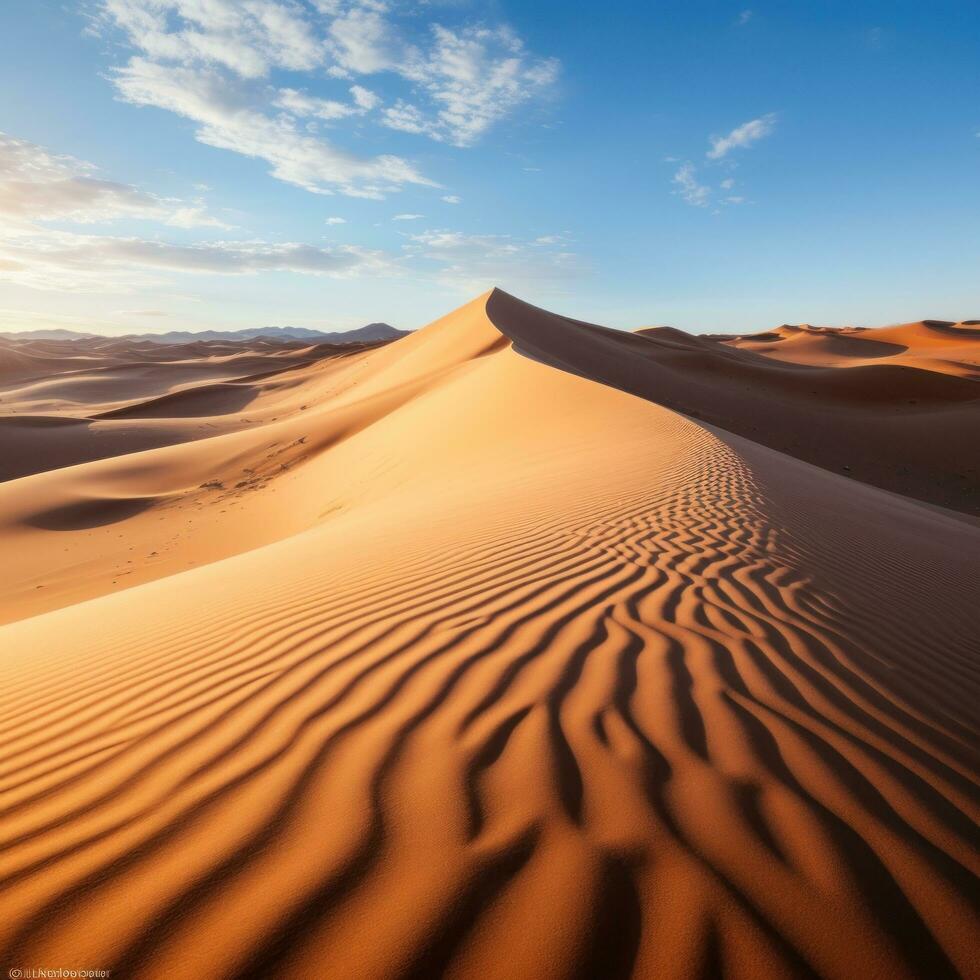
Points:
[[227, 120], [234, 258], [36, 185], [249, 38], [194, 217], [206, 59], [364, 42], [100, 263], [365, 98], [70, 262], [474, 77], [735, 199], [452, 199], [742, 136], [727, 184], [688, 187], [301, 104], [743, 18], [407, 118]]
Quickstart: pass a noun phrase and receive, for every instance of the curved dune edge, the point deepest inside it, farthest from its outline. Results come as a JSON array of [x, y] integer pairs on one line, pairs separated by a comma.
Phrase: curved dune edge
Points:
[[571, 686], [901, 425]]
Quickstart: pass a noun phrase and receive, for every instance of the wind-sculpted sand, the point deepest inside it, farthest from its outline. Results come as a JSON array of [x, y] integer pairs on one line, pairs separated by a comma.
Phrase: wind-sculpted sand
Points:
[[495, 670]]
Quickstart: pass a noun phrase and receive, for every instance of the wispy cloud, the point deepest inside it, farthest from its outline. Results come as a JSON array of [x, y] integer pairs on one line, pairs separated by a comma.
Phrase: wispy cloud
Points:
[[742, 136], [743, 18], [473, 77], [452, 199], [104, 263], [247, 38], [301, 104], [226, 120], [689, 188], [475, 262], [364, 98], [212, 61], [37, 185]]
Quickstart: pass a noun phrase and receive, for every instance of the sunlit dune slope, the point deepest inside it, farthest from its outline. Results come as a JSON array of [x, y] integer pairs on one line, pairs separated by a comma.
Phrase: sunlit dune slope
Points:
[[906, 429], [522, 676], [230, 483]]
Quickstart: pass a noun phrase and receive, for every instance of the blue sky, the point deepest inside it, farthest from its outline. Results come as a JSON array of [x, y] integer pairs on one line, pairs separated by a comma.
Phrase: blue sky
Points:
[[714, 166]]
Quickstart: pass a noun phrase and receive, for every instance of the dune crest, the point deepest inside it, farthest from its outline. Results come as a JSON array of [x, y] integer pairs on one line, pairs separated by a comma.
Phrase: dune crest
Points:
[[491, 668]]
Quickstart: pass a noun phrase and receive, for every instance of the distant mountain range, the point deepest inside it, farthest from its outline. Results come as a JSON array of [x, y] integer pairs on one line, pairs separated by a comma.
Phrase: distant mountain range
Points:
[[367, 334]]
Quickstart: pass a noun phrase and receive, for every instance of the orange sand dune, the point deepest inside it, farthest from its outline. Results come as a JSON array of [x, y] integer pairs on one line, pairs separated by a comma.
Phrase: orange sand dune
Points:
[[80, 404], [493, 671], [931, 345], [902, 426]]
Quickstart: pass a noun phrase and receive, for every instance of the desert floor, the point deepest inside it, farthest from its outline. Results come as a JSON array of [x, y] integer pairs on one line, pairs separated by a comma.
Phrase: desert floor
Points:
[[515, 648]]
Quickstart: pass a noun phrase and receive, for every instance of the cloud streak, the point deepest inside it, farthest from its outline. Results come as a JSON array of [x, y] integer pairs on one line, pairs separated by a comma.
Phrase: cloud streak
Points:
[[742, 136], [36, 185], [227, 121], [103, 263], [474, 77], [689, 188]]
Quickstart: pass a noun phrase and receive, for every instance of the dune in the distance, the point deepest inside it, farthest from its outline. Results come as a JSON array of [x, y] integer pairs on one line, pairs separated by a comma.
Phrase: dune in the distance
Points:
[[69, 402], [465, 656]]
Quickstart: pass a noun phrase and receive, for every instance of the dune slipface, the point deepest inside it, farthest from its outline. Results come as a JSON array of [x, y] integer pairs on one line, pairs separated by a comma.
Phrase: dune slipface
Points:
[[485, 668]]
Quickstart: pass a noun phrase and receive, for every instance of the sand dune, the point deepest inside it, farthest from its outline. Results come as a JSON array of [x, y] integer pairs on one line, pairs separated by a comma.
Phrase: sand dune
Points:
[[487, 667], [191, 388], [931, 345], [908, 429]]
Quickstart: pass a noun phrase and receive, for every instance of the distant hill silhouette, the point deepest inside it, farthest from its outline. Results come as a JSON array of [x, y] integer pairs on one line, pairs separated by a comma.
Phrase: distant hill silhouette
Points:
[[366, 334]]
